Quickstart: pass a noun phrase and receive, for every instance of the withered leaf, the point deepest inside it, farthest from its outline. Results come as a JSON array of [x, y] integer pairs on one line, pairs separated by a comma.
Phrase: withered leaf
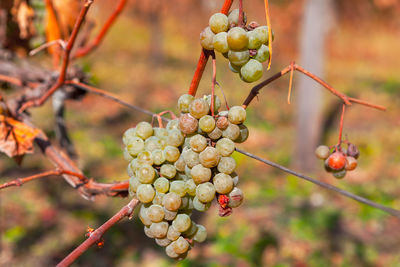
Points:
[[16, 138]]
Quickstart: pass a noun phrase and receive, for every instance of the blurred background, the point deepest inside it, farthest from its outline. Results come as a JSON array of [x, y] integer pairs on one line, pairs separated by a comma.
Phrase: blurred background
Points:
[[148, 59]]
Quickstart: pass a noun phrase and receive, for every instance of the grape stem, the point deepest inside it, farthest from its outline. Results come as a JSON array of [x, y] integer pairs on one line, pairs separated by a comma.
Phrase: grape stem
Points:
[[96, 236], [346, 100], [201, 65], [341, 124], [241, 17], [213, 82]]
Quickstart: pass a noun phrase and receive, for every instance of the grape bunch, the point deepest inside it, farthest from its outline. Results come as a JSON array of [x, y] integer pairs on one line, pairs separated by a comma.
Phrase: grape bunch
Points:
[[184, 167], [245, 47], [340, 160]]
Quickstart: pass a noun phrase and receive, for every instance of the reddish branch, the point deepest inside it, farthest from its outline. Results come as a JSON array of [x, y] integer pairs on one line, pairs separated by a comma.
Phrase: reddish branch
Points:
[[341, 124], [96, 236], [66, 55], [21, 181], [16, 81], [89, 48], [346, 100], [201, 65]]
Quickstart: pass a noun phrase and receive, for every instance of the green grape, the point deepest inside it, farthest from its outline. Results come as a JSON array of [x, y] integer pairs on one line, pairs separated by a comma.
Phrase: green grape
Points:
[[161, 185], [185, 202], [225, 147], [244, 134], [161, 133], [145, 173], [158, 156], [132, 167], [322, 152], [217, 102], [168, 171], [233, 17], [128, 134], [220, 42], [191, 158], [171, 153], [205, 192], [180, 245], [198, 108], [255, 39], [251, 71], [135, 146], [147, 232], [181, 223], [187, 171], [155, 213], [175, 137], [198, 143], [145, 193], [232, 132], [206, 39], [201, 234], [226, 165], [184, 102], [144, 130], [169, 214], [209, 157], [200, 206], [133, 185], [152, 143], [158, 198], [339, 174], [218, 23], [159, 229], [207, 123], [126, 155], [173, 124], [163, 242], [190, 187], [263, 33], [178, 187], [222, 121], [143, 216], [236, 115], [172, 201], [180, 164], [235, 198], [223, 183], [215, 134], [188, 124], [169, 250], [234, 68], [238, 58], [145, 157], [200, 174], [173, 234], [262, 54], [237, 39]]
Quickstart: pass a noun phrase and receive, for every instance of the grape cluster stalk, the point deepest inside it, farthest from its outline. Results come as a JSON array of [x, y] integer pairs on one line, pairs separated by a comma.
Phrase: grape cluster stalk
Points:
[[246, 47], [184, 167]]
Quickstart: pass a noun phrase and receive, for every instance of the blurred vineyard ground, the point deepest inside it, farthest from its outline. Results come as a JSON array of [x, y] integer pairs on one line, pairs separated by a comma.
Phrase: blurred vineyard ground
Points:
[[283, 221]]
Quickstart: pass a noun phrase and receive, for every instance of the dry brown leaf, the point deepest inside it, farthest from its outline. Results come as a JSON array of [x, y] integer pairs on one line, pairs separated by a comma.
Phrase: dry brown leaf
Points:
[[16, 138]]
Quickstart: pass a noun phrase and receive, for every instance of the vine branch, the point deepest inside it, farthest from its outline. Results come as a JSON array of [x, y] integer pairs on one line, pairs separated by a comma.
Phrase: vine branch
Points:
[[95, 236]]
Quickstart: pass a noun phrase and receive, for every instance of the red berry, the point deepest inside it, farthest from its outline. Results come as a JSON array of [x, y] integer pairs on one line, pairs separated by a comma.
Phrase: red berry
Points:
[[351, 163], [337, 161]]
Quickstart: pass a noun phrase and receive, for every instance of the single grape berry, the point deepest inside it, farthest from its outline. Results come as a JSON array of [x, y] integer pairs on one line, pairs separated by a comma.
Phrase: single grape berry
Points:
[[207, 38], [353, 151], [233, 17], [238, 58], [322, 152], [244, 134], [251, 71], [237, 39], [199, 108], [336, 161], [218, 23], [262, 54], [207, 123], [144, 130], [184, 102], [188, 124], [255, 39], [220, 42], [339, 174], [236, 115], [351, 163]]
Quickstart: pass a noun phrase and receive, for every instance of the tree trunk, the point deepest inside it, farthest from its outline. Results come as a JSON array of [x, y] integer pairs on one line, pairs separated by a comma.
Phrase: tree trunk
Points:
[[317, 21]]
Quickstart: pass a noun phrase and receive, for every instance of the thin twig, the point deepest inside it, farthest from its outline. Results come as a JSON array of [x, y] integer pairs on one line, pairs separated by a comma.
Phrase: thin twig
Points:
[[267, 15], [96, 236], [347, 100], [241, 17], [201, 65], [342, 192], [213, 82], [21, 181], [46, 45], [341, 124], [89, 48], [66, 54]]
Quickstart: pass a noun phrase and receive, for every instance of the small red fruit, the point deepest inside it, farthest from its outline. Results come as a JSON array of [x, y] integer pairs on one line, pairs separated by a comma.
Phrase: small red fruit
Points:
[[337, 161]]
